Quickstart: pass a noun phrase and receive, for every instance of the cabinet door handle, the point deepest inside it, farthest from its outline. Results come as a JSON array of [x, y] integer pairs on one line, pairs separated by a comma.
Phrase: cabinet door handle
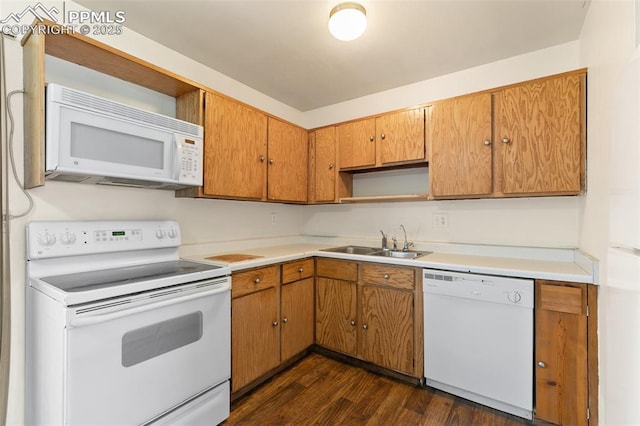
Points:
[[275, 323], [382, 136], [257, 281], [365, 326], [353, 323], [285, 320], [385, 276], [506, 140], [542, 364], [301, 270], [262, 158], [371, 138], [487, 143], [330, 166], [271, 161]]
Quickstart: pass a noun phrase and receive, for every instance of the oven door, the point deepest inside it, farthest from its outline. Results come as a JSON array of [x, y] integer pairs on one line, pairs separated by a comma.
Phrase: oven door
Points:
[[128, 363]]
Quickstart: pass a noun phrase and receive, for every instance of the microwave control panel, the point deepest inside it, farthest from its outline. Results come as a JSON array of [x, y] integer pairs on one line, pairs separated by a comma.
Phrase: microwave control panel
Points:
[[189, 157]]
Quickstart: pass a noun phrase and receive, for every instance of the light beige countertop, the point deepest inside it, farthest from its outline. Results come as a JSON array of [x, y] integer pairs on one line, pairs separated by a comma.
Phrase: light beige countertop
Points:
[[572, 266]]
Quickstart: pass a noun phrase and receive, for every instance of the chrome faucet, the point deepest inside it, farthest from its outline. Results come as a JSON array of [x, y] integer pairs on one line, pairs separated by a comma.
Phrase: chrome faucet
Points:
[[406, 244], [384, 240]]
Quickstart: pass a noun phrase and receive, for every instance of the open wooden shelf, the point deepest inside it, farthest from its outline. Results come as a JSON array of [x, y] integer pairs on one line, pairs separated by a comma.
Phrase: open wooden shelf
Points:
[[385, 198]]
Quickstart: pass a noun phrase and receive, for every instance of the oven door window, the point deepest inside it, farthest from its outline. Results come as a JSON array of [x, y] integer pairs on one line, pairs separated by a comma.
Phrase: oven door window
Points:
[[128, 366], [148, 342]]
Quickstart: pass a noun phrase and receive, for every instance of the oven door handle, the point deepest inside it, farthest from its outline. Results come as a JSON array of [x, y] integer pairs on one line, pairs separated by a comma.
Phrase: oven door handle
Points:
[[99, 318]]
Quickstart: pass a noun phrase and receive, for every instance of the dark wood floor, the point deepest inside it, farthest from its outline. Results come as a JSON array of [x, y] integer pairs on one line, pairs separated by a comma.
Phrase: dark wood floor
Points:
[[318, 390]]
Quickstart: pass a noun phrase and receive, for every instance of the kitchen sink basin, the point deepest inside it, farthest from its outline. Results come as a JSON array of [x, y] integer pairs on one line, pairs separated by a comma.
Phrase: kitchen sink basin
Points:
[[353, 250], [374, 251], [401, 254]]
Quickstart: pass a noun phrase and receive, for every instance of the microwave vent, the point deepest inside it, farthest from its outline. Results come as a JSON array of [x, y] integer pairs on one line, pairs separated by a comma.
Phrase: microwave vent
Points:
[[67, 178], [96, 103]]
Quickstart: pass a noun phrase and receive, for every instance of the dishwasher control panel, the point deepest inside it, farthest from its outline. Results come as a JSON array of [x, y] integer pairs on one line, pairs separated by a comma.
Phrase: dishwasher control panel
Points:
[[511, 291]]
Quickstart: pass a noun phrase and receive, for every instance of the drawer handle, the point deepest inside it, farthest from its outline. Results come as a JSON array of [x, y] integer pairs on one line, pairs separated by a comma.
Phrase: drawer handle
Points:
[[257, 281], [385, 276], [542, 364], [301, 270], [275, 323]]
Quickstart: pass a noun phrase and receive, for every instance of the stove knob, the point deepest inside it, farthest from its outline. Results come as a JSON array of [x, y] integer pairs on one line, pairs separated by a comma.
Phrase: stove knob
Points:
[[68, 238], [47, 239], [172, 233], [160, 234]]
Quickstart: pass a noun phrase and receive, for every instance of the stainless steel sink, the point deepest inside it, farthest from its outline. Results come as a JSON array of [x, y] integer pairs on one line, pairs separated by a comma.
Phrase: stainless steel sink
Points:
[[353, 250], [401, 254], [375, 251]]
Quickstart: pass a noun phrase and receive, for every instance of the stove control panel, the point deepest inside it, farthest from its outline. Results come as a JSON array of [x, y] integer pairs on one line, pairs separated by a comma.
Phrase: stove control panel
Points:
[[58, 239]]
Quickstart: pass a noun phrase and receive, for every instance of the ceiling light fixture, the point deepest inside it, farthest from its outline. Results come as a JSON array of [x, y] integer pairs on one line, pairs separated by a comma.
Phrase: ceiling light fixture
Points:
[[347, 21]]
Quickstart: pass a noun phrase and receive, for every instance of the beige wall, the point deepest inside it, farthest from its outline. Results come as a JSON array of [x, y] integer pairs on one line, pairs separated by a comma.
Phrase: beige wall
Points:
[[607, 43], [549, 222]]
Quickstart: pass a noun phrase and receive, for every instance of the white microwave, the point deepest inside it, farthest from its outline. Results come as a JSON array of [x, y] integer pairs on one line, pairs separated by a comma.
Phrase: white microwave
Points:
[[90, 139]]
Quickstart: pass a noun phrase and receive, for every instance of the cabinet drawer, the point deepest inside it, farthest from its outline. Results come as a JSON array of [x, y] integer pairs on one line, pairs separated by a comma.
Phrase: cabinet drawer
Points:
[[297, 270], [393, 276], [254, 280], [337, 269], [559, 297]]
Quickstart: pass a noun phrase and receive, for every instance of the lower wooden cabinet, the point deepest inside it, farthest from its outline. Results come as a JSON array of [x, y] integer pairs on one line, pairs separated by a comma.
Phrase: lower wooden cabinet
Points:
[[255, 343], [296, 308], [387, 327], [336, 315], [367, 310], [565, 353], [255, 335], [271, 319]]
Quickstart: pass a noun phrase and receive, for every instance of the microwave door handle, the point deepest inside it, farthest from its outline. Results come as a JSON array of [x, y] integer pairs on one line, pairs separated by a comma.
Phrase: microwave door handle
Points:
[[100, 318], [177, 158]]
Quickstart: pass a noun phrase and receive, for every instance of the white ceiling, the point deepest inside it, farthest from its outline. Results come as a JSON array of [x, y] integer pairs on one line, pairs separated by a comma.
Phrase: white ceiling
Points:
[[283, 48]]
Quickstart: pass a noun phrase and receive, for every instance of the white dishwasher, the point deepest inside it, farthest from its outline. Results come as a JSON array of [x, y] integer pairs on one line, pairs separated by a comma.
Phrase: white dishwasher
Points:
[[478, 338]]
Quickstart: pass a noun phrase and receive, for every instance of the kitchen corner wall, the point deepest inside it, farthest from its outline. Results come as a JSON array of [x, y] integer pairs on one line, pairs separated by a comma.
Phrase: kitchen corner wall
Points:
[[542, 222], [607, 44]]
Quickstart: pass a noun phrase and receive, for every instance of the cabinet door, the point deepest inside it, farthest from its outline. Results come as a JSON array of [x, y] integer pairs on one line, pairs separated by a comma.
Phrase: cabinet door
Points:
[[561, 353], [387, 327], [460, 146], [324, 167], [357, 144], [255, 336], [539, 140], [288, 162], [401, 137], [235, 149], [297, 317], [336, 315]]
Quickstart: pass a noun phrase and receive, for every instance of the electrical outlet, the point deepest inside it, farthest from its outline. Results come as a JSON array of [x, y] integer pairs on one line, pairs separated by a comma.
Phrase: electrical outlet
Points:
[[441, 220], [274, 218]]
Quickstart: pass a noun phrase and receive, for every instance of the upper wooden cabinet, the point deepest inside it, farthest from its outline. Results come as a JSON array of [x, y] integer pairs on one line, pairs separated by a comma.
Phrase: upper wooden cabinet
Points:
[[537, 149], [357, 144], [460, 150], [540, 139], [326, 183], [251, 156], [235, 149], [287, 168], [401, 137], [390, 139]]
